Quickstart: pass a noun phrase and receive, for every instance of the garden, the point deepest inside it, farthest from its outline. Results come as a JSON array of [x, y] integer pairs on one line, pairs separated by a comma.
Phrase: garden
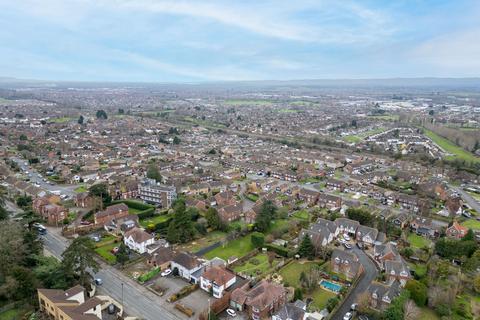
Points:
[[257, 265], [105, 246], [418, 242], [235, 248]]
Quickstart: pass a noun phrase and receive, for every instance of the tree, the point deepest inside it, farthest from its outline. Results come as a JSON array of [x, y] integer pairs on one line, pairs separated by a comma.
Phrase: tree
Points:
[[306, 249], [297, 294], [418, 292], [176, 140], [24, 201], [266, 215], [101, 114], [173, 130], [154, 173], [470, 236], [450, 248], [362, 216], [181, 228], [80, 120], [476, 283], [213, 219], [411, 311], [100, 190], [122, 254], [23, 137], [271, 258], [121, 111], [332, 303], [78, 258], [258, 239], [395, 310]]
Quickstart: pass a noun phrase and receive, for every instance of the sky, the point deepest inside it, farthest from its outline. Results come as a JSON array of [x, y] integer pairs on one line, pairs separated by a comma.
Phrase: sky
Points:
[[203, 40]]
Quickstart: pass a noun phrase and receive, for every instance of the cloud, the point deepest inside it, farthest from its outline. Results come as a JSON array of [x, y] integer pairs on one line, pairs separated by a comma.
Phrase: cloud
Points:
[[456, 52]]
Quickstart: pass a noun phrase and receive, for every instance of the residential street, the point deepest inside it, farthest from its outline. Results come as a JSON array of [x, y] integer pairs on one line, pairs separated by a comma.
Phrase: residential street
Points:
[[468, 198], [138, 301], [369, 275]]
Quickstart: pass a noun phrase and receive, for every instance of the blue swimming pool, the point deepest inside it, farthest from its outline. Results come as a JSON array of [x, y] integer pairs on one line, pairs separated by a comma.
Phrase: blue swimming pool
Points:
[[335, 287]]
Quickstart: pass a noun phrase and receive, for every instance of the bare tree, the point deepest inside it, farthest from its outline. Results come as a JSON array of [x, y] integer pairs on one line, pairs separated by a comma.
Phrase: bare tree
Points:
[[411, 311]]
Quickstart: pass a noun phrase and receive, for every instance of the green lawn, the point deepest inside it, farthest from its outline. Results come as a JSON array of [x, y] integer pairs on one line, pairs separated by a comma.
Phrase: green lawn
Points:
[[420, 269], [252, 197], [291, 272], [472, 224], [134, 210], [151, 220], [277, 225], [428, 314], [13, 314], [320, 297], [61, 119], [105, 252], [301, 214], [418, 241], [209, 239], [80, 189], [450, 147], [254, 269], [238, 248], [361, 136]]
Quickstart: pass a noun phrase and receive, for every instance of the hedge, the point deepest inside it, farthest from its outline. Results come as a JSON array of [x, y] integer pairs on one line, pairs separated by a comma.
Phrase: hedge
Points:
[[149, 275], [284, 252], [185, 291], [147, 210]]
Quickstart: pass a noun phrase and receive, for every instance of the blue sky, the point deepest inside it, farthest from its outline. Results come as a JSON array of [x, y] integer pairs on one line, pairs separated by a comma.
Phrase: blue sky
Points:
[[202, 40]]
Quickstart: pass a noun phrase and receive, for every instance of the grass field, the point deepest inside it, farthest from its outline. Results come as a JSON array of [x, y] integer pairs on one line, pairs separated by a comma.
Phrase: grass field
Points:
[[61, 120], [472, 224], [105, 252], [80, 189], [209, 239], [301, 214], [456, 151], [428, 314], [151, 220], [13, 314], [361, 136], [418, 241], [320, 297], [285, 110], [291, 272], [256, 269], [238, 248], [239, 102]]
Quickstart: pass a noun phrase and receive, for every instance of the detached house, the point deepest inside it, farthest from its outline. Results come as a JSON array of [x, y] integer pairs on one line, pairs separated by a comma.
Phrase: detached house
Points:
[[380, 295], [216, 279], [115, 211], [230, 213], [69, 304], [321, 233], [456, 231], [53, 213], [186, 265], [138, 240], [345, 263], [367, 235], [260, 301], [348, 226]]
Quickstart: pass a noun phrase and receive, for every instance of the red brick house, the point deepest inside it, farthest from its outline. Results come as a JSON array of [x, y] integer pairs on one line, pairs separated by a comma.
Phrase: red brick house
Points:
[[230, 213], [53, 213], [259, 302], [456, 231], [116, 211]]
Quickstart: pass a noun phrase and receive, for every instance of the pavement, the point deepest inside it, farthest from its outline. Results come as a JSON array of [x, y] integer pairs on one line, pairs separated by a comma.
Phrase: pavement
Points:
[[138, 301], [370, 274]]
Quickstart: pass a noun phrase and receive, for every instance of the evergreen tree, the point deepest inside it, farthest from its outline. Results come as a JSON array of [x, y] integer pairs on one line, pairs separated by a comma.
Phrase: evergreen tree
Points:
[[80, 119], [101, 114], [306, 249], [266, 215], [154, 173], [181, 229], [122, 254], [78, 258], [213, 219]]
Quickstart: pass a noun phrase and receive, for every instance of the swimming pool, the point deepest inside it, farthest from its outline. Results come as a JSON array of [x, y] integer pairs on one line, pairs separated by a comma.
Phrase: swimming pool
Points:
[[335, 287]]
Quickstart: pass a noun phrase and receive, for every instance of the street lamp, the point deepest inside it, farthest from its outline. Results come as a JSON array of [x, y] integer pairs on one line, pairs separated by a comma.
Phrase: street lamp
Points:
[[123, 308]]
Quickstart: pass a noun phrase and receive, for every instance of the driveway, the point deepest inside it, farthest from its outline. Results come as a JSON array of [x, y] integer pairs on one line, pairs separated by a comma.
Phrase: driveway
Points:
[[370, 273]]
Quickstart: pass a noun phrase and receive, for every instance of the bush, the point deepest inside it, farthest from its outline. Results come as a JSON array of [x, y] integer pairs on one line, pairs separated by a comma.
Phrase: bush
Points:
[[443, 310], [184, 310], [332, 303], [284, 252], [258, 239], [149, 275], [254, 261], [185, 291], [418, 292]]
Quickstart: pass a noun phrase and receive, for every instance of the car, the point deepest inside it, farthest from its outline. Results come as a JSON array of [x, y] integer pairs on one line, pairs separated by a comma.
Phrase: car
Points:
[[348, 245], [111, 308], [231, 313], [98, 281], [346, 237], [95, 238], [466, 214], [115, 250], [348, 316], [166, 272], [363, 317], [354, 306], [360, 245]]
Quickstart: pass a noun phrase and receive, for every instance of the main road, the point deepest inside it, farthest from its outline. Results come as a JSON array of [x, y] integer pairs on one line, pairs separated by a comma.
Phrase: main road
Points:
[[369, 274], [137, 300]]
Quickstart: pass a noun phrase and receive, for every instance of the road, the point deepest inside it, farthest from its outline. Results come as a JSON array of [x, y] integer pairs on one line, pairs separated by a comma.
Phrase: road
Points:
[[467, 198], [370, 274], [36, 178], [137, 300]]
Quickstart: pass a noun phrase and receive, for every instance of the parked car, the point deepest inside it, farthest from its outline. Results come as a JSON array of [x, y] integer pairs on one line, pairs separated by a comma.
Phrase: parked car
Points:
[[346, 237], [166, 272], [115, 250], [348, 245], [348, 316], [353, 307], [98, 281], [231, 313], [111, 308]]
